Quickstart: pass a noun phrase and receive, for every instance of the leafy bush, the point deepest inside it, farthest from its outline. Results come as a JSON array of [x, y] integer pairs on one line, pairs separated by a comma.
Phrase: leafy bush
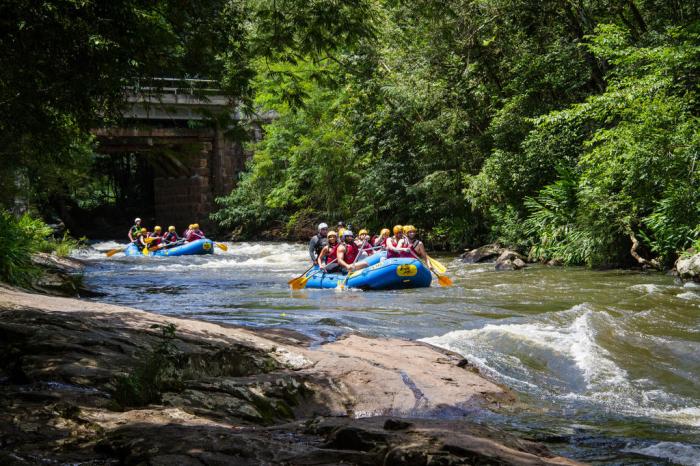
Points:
[[19, 239]]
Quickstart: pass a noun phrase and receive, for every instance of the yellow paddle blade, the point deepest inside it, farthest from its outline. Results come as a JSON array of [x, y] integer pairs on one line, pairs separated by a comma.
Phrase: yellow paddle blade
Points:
[[298, 283], [222, 246], [444, 280], [112, 252], [145, 251], [149, 239], [437, 265]]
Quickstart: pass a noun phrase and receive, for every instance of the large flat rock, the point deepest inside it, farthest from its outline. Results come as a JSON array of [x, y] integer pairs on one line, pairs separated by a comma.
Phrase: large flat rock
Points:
[[78, 377]]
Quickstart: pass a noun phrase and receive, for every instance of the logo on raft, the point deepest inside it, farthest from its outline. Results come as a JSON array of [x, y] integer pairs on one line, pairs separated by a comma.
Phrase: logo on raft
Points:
[[206, 246], [406, 270]]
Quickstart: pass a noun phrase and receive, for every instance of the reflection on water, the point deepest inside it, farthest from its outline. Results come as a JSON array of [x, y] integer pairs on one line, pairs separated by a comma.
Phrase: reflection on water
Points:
[[608, 362]]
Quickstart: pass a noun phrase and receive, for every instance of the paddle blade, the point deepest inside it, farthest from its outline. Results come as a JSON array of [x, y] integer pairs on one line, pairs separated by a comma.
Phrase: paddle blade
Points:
[[222, 246], [298, 283], [149, 239], [444, 280], [145, 251], [437, 265], [112, 252]]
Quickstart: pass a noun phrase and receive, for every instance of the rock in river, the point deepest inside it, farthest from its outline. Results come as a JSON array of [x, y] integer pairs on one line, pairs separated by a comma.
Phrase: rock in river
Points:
[[688, 268], [83, 382]]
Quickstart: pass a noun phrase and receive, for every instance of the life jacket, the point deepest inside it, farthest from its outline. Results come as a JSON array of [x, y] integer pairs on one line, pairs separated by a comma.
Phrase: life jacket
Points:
[[351, 251], [367, 248], [320, 243], [390, 254], [134, 230], [170, 237], [194, 235], [332, 253], [156, 240]]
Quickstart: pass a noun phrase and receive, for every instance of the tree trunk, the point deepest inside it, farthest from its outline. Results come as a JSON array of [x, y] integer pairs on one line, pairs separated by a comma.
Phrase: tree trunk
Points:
[[654, 264]]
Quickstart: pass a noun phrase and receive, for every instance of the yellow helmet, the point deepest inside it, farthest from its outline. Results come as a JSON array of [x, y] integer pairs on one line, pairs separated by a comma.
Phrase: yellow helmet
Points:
[[171, 228], [384, 232], [363, 232], [190, 226], [397, 229], [341, 231], [408, 228], [332, 233], [144, 230], [195, 226], [157, 228]]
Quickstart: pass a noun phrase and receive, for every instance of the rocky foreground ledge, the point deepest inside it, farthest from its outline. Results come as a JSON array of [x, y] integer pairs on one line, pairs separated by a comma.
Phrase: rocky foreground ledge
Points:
[[88, 382]]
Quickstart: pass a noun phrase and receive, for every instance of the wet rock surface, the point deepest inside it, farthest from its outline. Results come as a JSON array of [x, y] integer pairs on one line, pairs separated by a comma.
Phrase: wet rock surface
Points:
[[688, 268], [61, 276], [486, 253], [88, 382], [510, 260]]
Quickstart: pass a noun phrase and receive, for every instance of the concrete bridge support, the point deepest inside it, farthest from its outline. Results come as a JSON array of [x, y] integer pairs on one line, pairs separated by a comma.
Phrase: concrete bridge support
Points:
[[191, 168]]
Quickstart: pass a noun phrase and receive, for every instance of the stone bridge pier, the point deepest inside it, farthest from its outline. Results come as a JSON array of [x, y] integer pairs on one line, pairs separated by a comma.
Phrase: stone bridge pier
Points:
[[191, 167]]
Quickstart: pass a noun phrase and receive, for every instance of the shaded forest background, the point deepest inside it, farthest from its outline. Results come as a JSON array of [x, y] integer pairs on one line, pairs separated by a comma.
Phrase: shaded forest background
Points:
[[565, 129]]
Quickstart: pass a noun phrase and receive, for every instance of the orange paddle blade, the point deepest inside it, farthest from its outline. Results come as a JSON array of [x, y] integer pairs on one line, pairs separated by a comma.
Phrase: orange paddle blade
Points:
[[222, 246], [112, 252], [444, 280], [298, 283]]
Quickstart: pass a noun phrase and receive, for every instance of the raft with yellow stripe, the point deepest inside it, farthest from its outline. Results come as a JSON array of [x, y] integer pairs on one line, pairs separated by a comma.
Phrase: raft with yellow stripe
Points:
[[201, 246], [384, 274]]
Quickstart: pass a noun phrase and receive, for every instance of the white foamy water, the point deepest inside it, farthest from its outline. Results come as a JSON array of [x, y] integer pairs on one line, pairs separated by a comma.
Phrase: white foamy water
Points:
[[680, 453], [560, 357]]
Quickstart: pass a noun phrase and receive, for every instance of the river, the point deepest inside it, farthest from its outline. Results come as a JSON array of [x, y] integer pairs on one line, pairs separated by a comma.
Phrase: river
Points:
[[606, 363]]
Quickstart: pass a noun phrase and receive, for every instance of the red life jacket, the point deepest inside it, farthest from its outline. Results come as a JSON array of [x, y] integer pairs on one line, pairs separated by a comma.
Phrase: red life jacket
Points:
[[156, 239], [332, 253], [351, 251], [392, 254], [170, 237], [194, 235], [368, 248]]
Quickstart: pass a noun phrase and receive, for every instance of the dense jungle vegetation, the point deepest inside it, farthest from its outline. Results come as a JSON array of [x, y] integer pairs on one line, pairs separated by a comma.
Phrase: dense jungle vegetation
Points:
[[567, 129]]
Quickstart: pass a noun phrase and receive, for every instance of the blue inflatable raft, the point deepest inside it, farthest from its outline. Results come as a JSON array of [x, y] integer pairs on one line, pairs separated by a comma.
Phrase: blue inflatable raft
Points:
[[201, 246], [382, 274]]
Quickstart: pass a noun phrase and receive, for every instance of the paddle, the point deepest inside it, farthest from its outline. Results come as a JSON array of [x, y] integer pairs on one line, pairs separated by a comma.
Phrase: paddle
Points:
[[222, 246], [112, 252], [359, 253], [299, 283], [437, 265], [443, 280]]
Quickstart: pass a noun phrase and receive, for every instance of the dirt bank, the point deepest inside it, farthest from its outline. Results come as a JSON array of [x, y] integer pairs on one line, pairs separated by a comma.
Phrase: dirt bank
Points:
[[83, 381]]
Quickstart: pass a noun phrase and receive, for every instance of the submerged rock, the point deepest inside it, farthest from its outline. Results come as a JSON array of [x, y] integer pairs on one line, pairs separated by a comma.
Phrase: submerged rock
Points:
[[84, 382], [510, 260], [487, 253], [688, 268]]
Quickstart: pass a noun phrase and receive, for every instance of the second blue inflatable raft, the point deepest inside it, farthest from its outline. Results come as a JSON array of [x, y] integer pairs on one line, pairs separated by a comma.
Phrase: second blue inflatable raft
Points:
[[201, 246], [387, 274]]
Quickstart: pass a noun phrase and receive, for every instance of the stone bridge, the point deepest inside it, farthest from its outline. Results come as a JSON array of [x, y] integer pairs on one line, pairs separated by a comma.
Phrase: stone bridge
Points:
[[180, 127]]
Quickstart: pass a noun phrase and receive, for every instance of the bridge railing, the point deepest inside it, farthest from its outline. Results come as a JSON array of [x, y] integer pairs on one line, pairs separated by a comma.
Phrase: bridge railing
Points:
[[174, 86]]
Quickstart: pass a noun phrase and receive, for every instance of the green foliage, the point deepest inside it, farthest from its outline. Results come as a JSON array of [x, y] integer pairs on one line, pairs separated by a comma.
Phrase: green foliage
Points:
[[19, 239], [157, 372]]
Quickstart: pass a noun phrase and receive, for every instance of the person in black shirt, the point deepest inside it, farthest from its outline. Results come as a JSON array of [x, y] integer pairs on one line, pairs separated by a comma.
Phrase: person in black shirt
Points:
[[318, 242]]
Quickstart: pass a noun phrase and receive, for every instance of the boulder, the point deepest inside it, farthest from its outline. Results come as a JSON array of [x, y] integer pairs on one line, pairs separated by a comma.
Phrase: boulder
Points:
[[688, 268], [510, 260], [487, 253], [61, 276]]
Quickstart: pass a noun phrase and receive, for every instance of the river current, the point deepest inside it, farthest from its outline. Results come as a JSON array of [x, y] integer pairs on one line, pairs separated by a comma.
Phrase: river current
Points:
[[606, 363]]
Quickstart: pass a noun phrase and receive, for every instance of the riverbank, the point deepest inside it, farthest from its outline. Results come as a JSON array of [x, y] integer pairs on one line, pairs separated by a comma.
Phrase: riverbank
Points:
[[72, 390]]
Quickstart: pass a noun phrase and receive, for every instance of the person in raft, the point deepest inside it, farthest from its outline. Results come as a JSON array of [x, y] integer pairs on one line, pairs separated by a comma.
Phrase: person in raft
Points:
[[364, 243], [186, 232], [143, 234], [328, 257], [382, 238], [156, 238], [397, 245], [318, 242], [195, 233], [415, 245], [135, 230], [348, 253], [170, 239]]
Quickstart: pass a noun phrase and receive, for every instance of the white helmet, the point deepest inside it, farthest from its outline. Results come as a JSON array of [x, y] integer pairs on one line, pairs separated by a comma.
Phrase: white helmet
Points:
[[348, 233], [321, 226], [137, 220]]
